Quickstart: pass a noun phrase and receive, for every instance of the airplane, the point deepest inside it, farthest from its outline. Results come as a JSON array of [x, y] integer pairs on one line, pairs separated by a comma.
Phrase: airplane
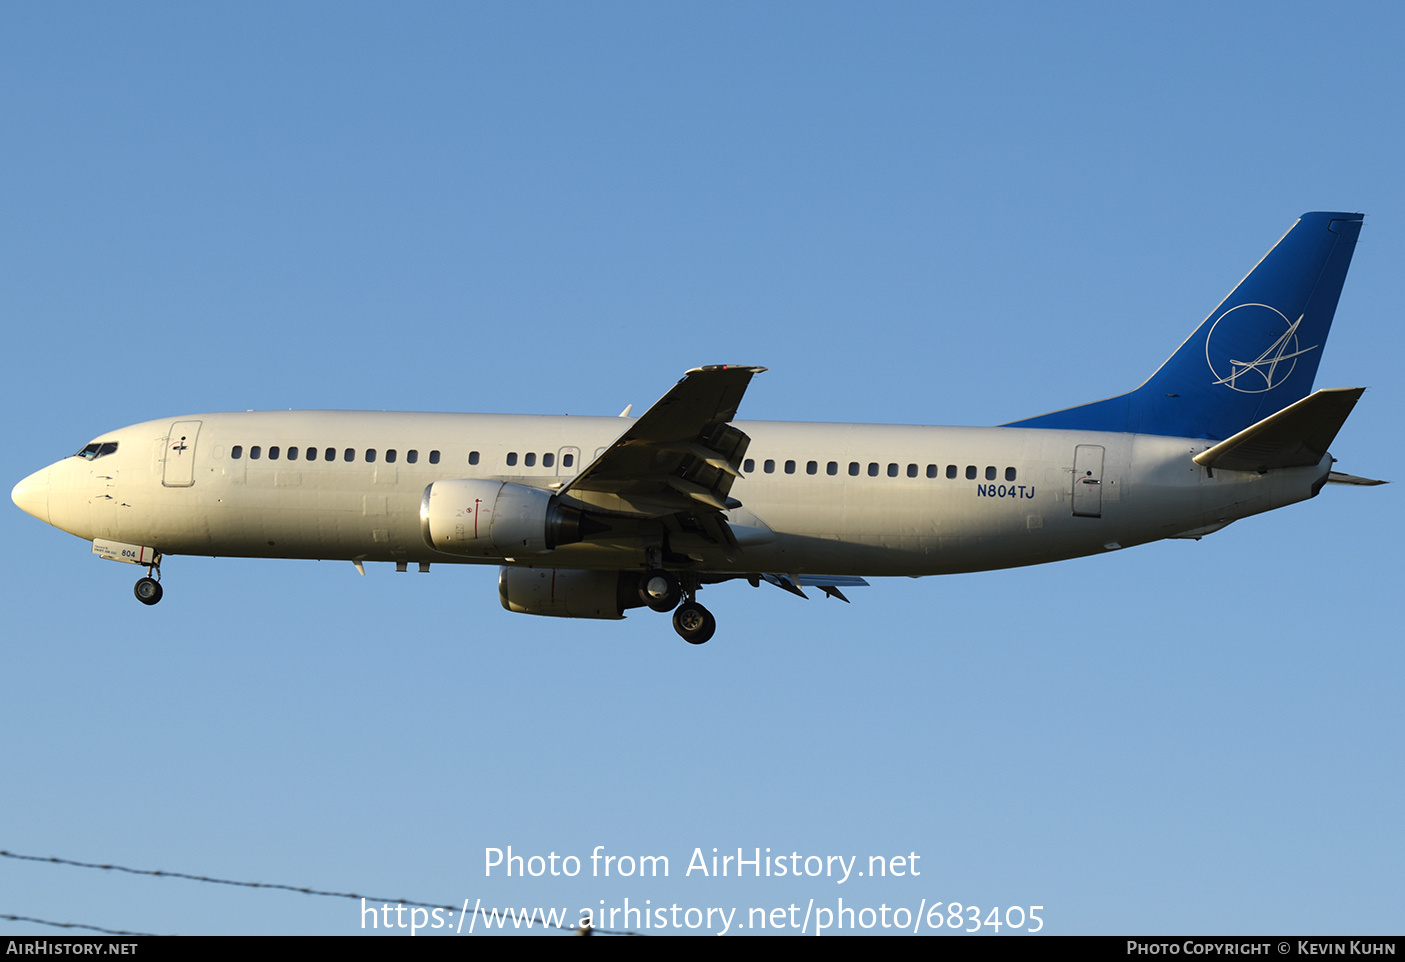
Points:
[[588, 517]]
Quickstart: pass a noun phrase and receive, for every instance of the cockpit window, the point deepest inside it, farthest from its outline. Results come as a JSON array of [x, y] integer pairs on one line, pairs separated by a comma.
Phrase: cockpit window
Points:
[[98, 449]]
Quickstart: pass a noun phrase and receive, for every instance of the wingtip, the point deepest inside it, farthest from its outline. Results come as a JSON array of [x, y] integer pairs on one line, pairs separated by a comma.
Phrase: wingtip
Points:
[[727, 367]]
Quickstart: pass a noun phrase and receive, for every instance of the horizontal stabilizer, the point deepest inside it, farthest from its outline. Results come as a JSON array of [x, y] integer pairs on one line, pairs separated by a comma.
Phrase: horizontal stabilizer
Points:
[[1337, 477], [820, 581], [829, 584], [1296, 436]]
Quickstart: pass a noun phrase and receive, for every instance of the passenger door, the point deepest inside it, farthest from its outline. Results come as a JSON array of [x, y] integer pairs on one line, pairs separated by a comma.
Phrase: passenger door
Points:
[[178, 467]]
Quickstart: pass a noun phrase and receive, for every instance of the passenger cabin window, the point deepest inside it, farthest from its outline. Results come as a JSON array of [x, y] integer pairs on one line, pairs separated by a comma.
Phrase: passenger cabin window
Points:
[[951, 470], [329, 455], [912, 470], [292, 454], [831, 468], [853, 469], [812, 467], [1009, 474], [434, 457], [390, 456], [892, 470], [511, 458], [931, 470], [990, 473], [255, 451], [873, 469], [548, 460], [769, 467], [349, 454], [567, 460], [529, 460], [236, 452], [472, 457], [411, 456], [273, 453], [312, 454], [749, 465], [790, 467], [370, 455], [970, 472]]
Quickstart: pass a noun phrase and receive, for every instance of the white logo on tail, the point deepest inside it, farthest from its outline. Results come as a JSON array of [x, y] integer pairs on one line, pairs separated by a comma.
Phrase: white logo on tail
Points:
[[1233, 367]]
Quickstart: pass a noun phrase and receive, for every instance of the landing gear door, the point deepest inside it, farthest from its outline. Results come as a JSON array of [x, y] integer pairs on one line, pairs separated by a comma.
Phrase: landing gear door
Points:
[[178, 467], [1088, 481]]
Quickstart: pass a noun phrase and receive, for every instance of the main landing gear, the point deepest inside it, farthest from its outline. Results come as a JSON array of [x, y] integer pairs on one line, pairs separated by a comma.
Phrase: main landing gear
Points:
[[694, 623], [662, 591], [148, 589]]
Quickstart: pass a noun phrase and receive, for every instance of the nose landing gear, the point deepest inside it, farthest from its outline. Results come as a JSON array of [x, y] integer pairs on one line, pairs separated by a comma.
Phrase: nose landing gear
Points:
[[148, 589]]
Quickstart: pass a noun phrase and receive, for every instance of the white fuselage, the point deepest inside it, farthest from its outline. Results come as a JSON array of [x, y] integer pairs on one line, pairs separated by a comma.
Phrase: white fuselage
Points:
[[1018, 496]]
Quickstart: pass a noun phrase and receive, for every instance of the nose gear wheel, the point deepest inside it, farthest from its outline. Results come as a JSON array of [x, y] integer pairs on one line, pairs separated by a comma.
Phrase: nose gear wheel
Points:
[[148, 591]]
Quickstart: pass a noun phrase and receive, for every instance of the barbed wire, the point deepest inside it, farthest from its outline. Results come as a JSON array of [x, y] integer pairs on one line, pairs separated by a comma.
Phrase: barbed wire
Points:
[[301, 889], [75, 925]]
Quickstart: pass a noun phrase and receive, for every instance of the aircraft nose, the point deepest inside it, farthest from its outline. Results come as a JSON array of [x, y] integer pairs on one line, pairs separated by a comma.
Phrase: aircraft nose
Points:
[[32, 495]]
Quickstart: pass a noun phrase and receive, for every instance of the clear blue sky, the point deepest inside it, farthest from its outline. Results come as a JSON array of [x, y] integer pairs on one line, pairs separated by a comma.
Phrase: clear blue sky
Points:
[[955, 214]]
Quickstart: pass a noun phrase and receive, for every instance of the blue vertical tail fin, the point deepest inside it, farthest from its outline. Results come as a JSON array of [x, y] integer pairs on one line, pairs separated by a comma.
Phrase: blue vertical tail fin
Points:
[[1254, 355]]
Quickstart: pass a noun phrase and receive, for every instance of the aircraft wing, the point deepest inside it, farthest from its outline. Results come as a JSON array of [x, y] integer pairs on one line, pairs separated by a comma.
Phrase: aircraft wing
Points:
[[680, 456]]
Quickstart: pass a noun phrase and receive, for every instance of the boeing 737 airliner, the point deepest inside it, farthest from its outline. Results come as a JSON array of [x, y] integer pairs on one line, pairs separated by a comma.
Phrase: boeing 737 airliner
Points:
[[590, 516]]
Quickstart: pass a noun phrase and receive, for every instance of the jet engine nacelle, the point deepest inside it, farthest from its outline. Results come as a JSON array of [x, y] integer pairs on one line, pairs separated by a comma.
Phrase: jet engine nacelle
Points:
[[567, 593], [495, 519]]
